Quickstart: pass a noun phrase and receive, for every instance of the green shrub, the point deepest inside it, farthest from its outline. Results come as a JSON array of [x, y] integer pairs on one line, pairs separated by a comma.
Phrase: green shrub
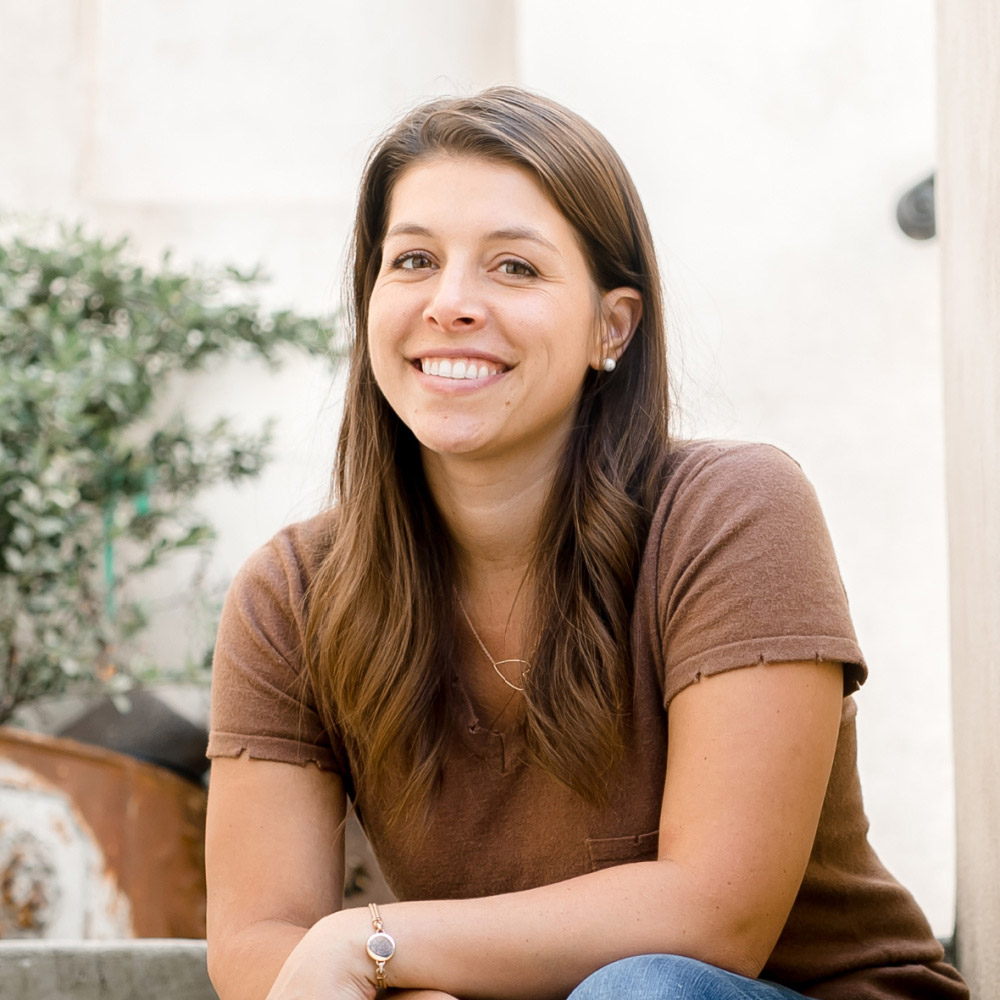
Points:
[[96, 484]]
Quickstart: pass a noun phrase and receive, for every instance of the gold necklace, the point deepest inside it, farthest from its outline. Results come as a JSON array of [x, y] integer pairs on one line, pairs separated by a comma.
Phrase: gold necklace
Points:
[[489, 656]]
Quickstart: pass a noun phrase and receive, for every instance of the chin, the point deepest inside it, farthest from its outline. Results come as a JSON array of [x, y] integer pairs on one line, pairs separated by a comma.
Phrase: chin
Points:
[[453, 441], [450, 446]]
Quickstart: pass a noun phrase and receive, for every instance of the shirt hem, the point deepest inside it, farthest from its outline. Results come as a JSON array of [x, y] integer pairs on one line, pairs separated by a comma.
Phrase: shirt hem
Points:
[[275, 748], [773, 649]]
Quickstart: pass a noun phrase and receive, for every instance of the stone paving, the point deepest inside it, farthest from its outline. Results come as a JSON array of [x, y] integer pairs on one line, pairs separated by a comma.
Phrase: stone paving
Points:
[[149, 969]]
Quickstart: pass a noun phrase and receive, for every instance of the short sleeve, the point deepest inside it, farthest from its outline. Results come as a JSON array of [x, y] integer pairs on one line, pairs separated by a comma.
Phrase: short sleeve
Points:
[[262, 698], [746, 571]]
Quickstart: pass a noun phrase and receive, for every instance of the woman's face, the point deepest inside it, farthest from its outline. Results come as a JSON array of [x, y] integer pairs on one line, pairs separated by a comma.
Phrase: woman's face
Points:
[[484, 317]]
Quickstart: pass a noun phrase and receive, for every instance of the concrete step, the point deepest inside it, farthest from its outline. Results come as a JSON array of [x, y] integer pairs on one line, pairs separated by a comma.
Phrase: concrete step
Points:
[[144, 969]]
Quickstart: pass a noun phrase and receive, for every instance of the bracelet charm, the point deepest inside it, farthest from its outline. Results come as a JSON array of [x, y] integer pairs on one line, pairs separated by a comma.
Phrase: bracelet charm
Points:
[[380, 947]]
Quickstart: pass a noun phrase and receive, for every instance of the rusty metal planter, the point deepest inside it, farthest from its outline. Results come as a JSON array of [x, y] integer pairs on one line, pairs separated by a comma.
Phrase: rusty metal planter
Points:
[[95, 844]]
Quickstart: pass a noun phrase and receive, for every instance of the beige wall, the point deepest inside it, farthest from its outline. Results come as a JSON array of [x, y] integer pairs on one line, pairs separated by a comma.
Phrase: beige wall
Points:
[[969, 200], [770, 142]]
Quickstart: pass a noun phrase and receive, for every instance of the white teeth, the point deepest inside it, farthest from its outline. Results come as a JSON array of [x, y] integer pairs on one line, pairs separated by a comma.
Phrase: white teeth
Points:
[[462, 368]]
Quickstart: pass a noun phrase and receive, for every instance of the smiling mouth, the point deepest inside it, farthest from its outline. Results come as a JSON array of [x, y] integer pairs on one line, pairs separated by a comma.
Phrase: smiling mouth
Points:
[[460, 369]]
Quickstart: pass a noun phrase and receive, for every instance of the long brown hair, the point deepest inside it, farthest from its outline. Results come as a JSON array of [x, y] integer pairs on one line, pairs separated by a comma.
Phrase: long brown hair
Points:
[[381, 619]]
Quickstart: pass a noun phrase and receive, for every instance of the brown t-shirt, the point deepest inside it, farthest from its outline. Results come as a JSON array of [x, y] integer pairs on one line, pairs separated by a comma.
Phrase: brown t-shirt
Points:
[[738, 570]]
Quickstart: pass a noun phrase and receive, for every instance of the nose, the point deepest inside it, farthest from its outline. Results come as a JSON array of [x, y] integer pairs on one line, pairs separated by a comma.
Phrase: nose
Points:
[[456, 302]]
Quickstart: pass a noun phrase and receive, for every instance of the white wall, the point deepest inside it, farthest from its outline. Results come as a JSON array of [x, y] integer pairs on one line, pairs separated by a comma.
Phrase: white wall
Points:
[[770, 142]]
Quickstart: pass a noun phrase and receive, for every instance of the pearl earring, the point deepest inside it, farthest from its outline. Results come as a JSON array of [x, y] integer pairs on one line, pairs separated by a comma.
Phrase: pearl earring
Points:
[[610, 364]]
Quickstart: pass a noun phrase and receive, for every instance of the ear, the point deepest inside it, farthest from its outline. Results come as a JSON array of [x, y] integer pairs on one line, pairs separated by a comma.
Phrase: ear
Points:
[[621, 310]]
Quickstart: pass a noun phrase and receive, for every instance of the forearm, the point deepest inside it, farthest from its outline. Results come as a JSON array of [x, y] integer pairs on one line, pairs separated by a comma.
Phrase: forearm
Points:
[[420, 995], [244, 966], [540, 943]]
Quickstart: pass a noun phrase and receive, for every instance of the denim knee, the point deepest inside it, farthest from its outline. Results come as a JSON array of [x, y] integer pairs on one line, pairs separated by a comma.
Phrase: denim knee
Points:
[[672, 977], [643, 977]]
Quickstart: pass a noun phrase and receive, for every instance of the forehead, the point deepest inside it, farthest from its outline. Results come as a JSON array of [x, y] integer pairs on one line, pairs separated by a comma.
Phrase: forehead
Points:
[[472, 191]]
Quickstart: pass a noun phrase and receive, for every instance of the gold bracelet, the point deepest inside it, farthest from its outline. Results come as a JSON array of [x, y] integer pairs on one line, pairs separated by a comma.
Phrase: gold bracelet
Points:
[[380, 947]]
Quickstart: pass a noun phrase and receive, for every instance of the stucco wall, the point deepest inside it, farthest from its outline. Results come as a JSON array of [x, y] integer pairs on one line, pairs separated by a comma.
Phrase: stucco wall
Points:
[[770, 142], [969, 182]]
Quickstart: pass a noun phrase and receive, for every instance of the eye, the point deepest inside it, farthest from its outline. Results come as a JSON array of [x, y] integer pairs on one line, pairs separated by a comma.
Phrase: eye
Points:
[[518, 268], [413, 260]]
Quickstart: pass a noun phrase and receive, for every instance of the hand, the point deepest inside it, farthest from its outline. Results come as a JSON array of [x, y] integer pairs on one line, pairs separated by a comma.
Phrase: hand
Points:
[[329, 961]]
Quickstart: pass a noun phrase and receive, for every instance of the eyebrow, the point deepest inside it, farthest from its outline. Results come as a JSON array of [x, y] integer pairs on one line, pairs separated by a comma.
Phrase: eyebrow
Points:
[[498, 235]]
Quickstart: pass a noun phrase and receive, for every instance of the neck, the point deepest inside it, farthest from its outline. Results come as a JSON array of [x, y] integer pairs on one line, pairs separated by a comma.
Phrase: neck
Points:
[[493, 510]]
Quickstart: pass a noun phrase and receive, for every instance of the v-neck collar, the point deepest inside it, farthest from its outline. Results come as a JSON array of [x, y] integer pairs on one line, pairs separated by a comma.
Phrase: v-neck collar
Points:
[[503, 749]]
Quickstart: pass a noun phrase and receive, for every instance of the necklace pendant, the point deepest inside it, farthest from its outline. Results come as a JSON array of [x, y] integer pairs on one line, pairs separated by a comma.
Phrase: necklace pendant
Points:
[[489, 656], [500, 674]]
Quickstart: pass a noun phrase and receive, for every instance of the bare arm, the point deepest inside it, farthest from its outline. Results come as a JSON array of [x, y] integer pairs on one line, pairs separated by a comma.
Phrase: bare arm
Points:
[[274, 864], [749, 759]]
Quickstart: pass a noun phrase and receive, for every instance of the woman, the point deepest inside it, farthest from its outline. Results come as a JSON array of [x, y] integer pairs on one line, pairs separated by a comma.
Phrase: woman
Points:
[[528, 600]]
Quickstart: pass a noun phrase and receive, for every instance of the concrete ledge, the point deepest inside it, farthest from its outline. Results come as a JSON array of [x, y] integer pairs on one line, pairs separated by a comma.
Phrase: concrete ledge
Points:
[[144, 969]]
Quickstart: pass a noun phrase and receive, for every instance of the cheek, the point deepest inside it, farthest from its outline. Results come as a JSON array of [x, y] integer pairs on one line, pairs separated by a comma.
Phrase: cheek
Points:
[[385, 372], [379, 353], [381, 332], [389, 318]]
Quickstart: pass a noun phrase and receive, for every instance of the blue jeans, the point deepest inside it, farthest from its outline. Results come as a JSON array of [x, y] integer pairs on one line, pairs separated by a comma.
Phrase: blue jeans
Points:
[[671, 977]]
